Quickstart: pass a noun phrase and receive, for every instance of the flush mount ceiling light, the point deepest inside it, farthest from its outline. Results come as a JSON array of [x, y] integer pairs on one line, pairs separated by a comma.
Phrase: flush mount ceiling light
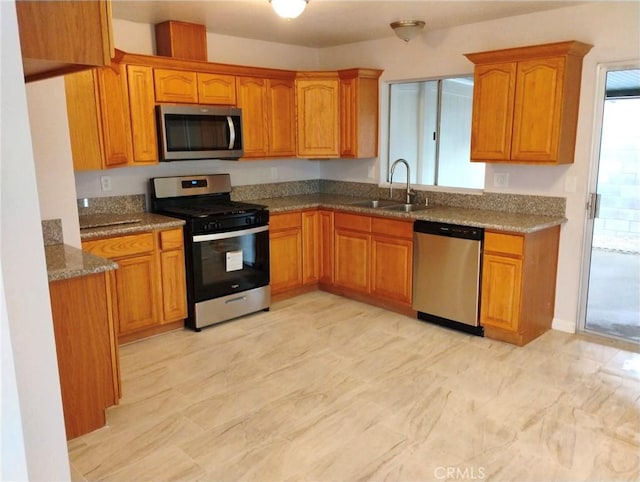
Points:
[[407, 29], [289, 8]]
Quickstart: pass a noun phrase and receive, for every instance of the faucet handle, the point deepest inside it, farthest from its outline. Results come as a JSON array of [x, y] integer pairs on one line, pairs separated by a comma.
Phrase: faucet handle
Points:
[[411, 196]]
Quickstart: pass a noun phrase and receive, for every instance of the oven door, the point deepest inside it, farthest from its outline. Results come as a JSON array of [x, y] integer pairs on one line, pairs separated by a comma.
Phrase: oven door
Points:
[[230, 262]]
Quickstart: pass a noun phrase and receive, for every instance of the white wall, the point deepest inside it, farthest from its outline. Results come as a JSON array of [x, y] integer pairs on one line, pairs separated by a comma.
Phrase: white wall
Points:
[[48, 118], [32, 426], [612, 27]]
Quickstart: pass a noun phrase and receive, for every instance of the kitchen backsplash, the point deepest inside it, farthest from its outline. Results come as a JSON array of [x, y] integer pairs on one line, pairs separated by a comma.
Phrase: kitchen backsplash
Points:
[[512, 203], [134, 203]]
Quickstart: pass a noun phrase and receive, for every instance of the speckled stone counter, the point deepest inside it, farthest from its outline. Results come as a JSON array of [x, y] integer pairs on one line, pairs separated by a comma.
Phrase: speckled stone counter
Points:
[[104, 225], [498, 220], [64, 262]]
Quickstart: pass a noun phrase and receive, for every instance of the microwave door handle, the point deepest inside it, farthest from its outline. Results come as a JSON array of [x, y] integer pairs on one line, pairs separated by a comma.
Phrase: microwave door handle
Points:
[[232, 132]]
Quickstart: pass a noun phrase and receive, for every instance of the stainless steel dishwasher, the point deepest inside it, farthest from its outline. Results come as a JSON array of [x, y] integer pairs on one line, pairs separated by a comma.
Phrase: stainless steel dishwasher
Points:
[[446, 274]]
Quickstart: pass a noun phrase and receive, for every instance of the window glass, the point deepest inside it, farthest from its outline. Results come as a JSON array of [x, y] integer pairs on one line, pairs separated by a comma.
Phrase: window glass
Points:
[[430, 127]]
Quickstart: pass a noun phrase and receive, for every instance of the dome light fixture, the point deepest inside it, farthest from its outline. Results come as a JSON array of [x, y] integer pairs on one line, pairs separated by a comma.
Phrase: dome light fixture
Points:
[[407, 29], [289, 8]]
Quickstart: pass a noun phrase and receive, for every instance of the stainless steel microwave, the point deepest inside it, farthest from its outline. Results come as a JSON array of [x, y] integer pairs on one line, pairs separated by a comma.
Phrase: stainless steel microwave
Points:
[[199, 132]]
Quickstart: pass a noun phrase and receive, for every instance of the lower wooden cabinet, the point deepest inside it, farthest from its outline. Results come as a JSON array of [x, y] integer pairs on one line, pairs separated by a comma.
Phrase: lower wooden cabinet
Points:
[[519, 284], [374, 258], [86, 349], [285, 244], [149, 289]]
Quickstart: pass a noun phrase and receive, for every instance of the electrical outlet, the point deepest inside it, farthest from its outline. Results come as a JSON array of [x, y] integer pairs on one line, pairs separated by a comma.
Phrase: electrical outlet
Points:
[[501, 179], [274, 173], [105, 183], [372, 172]]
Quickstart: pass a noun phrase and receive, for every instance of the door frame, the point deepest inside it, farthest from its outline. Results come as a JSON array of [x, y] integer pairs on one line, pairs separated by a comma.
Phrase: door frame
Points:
[[603, 69]]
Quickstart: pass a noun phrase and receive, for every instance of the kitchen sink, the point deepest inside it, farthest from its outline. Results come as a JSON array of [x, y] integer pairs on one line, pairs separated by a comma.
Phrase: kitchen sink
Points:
[[375, 203], [407, 208]]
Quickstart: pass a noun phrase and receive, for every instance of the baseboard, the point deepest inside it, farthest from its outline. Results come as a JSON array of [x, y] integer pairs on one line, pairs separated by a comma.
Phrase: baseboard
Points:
[[563, 325]]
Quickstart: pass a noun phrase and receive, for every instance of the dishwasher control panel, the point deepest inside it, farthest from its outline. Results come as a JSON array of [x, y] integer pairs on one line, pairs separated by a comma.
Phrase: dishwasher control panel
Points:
[[451, 230]]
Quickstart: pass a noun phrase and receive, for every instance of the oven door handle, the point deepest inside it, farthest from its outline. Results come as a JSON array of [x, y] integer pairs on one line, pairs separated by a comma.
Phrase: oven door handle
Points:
[[229, 234]]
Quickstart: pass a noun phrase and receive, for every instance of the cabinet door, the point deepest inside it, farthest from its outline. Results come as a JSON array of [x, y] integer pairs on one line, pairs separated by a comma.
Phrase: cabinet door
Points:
[[216, 89], [348, 118], [492, 117], [83, 111], [501, 291], [114, 115], [326, 247], [538, 109], [174, 298], [285, 259], [135, 293], [318, 118], [391, 268], [310, 247], [281, 118], [252, 99], [175, 86], [172, 274], [352, 254], [142, 109]]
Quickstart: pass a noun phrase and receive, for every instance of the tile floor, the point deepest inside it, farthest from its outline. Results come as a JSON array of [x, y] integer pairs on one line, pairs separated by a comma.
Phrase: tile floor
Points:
[[326, 389]]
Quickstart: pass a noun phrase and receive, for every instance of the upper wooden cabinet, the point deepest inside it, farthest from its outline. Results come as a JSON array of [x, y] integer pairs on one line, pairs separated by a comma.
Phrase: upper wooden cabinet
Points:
[[186, 87], [98, 114], [525, 103], [181, 40], [268, 115], [359, 112], [318, 114], [58, 37]]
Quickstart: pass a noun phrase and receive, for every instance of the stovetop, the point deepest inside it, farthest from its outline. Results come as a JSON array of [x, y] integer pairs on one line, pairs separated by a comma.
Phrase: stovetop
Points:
[[214, 208]]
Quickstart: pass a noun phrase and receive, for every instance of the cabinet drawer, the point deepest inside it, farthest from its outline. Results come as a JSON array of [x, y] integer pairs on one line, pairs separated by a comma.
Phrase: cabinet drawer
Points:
[[171, 239], [392, 227], [504, 243], [120, 246], [285, 221], [354, 222]]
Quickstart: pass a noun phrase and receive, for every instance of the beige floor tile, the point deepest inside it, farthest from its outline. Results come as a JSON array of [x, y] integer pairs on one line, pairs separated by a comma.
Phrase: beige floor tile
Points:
[[322, 388]]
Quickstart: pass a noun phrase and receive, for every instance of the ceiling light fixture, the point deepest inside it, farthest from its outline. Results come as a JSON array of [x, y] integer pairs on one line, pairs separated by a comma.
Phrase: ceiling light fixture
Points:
[[289, 8], [407, 29]]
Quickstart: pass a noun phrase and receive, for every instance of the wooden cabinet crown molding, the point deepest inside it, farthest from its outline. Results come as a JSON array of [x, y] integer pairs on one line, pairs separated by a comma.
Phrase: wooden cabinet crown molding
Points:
[[570, 47]]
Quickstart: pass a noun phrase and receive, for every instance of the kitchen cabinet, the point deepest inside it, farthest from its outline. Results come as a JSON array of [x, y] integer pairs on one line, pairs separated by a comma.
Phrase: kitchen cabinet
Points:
[[326, 248], [98, 116], [181, 40], [142, 113], [149, 292], [59, 37], [374, 258], [268, 114], [177, 86], [518, 284], [525, 103], [285, 244], [86, 350], [172, 274], [187, 87], [216, 89], [318, 114], [359, 113], [311, 246]]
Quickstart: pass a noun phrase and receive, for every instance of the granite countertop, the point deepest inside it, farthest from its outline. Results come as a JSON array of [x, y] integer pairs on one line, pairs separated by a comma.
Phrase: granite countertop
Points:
[[105, 225], [498, 220], [64, 262]]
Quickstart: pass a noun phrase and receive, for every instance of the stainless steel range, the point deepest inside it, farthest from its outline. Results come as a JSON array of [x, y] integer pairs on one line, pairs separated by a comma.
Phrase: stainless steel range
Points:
[[226, 246]]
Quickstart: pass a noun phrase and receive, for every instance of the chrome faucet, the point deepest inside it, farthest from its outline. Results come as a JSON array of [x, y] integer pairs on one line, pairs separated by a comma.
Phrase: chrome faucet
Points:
[[410, 192]]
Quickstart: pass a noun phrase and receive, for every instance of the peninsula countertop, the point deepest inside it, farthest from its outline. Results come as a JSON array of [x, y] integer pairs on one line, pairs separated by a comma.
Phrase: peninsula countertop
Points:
[[64, 262], [498, 220]]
